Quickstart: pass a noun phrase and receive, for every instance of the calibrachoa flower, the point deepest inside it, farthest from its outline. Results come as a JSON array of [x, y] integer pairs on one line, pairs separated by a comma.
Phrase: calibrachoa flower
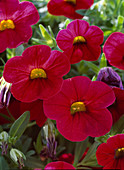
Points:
[[114, 49], [111, 154], [110, 77], [67, 157], [117, 108], [37, 74], [80, 108], [58, 165], [15, 22], [68, 7], [17, 108], [80, 41]]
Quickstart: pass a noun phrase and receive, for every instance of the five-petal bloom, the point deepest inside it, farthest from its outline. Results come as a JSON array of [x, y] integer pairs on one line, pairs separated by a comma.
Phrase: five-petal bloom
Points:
[[68, 7], [80, 41], [114, 49], [37, 74], [15, 22], [111, 154], [80, 108], [58, 165]]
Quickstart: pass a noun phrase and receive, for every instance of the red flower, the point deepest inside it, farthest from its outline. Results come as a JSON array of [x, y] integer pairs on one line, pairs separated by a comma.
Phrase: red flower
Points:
[[17, 108], [80, 108], [117, 108], [67, 157], [114, 49], [68, 7], [58, 165], [15, 22], [37, 74], [80, 41], [111, 154]]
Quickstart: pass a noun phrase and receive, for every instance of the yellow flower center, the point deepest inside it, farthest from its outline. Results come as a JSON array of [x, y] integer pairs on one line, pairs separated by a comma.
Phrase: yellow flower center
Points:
[[119, 153], [78, 40], [37, 73], [77, 107], [6, 24], [73, 2]]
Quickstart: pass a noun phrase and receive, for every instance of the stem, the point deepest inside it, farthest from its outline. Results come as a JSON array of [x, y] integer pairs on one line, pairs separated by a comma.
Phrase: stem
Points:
[[6, 117], [31, 124], [13, 119]]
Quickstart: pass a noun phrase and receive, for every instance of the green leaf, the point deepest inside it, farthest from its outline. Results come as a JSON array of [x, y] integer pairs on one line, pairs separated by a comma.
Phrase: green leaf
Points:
[[122, 8], [19, 125], [79, 150], [3, 164], [19, 50], [120, 22], [103, 62], [118, 126], [92, 66], [30, 153], [32, 162], [90, 158], [38, 144], [67, 21], [49, 40]]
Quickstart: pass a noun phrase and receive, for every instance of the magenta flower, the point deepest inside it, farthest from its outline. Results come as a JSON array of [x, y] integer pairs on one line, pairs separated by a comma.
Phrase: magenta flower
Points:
[[68, 7], [80, 41], [58, 165], [117, 108], [114, 49], [37, 74], [15, 22], [111, 154], [80, 108]]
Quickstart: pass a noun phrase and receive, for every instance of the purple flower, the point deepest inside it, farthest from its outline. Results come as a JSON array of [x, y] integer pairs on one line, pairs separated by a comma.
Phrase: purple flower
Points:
[[110, 77]]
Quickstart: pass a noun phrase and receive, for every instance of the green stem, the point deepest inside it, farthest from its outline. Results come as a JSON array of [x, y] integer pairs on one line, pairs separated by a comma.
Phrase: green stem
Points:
[[31, 124], [6, 117], [13, 119]]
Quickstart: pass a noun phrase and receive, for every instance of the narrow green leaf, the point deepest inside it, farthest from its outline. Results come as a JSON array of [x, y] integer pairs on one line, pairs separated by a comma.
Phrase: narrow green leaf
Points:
[[122, 8], [19, 50], [103, 62], [44, 33], [92, 66], [118, 126], [49, 40], [3, 164], [67, 21], [19, 125], [32, 162], [120, 22], [38, 144], [90, 158], [79, 150]]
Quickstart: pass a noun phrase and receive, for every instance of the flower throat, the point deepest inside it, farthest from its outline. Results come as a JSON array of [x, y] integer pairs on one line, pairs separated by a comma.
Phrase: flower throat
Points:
[[119, 153], [72, 2], [6, 24]]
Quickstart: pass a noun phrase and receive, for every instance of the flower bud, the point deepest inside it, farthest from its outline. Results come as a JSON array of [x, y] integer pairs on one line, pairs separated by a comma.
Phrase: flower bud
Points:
[[110, 77], [5, 93], [4, 142], [17, 156], [50, 150]]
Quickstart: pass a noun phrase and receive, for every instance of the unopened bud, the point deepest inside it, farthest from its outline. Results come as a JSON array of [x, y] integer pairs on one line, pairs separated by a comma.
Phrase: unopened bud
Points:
[[5, 93], [110, 77], [18, 157], [4, 142]]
